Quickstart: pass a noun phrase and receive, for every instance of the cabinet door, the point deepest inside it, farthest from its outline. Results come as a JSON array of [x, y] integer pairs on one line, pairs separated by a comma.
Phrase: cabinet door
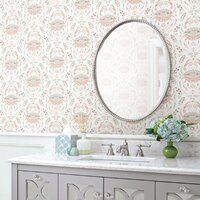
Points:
[[176, 191], [80, 188], [122, 189], [37, 186]]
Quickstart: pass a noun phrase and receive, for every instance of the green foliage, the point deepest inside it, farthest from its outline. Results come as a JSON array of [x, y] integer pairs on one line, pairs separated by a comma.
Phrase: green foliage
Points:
[[149, 131]]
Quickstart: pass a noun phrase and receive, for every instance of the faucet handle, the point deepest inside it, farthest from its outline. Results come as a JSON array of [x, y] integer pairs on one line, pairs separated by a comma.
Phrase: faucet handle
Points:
[[110, 151], [140, 152], [109, 145], [142, 145]]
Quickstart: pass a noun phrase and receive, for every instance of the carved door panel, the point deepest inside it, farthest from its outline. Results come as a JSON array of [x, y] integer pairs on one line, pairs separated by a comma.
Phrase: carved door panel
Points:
[[176, 191], [80, 188], [37, 186], [122, 189]]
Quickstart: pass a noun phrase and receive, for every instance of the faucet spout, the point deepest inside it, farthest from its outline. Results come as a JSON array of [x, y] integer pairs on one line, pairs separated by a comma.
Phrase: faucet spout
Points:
[[123, 149]]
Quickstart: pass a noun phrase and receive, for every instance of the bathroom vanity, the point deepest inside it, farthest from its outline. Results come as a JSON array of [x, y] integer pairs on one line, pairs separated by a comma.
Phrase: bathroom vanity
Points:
[[105, 178]]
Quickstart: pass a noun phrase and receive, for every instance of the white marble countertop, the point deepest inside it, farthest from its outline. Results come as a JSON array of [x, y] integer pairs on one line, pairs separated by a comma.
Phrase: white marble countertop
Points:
[[181, 166]]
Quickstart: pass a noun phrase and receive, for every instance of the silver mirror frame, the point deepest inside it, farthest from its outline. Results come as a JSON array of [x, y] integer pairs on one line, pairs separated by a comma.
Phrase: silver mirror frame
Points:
[[95, 67]]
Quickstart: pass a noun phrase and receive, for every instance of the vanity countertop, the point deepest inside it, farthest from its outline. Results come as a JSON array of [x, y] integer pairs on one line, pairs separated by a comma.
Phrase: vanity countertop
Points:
[[181, 166]]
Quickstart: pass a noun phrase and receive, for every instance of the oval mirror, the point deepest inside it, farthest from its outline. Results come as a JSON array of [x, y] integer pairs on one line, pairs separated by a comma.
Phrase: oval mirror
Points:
[[132, 70]]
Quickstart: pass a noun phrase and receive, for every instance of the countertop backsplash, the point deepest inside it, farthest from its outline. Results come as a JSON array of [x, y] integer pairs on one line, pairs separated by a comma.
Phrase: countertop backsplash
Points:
[[185, 149]]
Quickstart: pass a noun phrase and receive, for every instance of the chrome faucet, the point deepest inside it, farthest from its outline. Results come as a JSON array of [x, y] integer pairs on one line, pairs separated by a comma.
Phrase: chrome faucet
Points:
[[123, 149], [140, 152], [110, 151]]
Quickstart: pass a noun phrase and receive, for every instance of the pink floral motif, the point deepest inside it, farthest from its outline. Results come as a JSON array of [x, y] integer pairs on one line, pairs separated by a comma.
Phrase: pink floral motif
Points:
[[33, 113], [134, 1], [191, 112], [82, 4], [48, 50], [163, 10], [34, 41], [12, 60], [11, 95], [34, 7], [107, 15], [192, 28], [57, 57], [12, 25], [57, 20]]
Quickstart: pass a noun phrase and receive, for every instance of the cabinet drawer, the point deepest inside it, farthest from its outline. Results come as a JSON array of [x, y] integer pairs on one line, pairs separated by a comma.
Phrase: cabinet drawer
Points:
[[75, 187], [37, 186], [123, 189], [177, 191]]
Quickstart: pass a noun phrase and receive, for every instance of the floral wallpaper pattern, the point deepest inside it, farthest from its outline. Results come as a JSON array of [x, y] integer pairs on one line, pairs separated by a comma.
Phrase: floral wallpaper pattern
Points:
[[47, 50]]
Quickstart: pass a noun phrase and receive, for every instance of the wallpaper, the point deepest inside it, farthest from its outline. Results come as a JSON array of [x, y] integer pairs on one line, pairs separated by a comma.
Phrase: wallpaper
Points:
[[47, 54]]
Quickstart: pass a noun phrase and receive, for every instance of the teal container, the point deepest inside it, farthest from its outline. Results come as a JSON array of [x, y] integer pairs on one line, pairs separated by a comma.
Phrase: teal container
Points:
[[62, 146], [74, 150]]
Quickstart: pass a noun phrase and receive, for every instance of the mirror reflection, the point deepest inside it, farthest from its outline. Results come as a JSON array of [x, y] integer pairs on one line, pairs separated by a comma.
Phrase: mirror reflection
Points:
[[132, 70]]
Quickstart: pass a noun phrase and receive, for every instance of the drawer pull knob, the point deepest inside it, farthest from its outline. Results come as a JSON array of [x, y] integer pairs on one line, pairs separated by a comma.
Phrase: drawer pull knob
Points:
[[184, 189], [98, 195], [108, 196], [37, 178]]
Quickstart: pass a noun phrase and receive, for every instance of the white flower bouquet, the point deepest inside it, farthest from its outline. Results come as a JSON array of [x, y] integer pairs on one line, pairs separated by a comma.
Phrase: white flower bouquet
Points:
[[170, 130]]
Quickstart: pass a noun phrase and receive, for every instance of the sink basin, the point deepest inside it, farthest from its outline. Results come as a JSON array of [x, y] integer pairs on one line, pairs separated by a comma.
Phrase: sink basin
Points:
[[129, 160]]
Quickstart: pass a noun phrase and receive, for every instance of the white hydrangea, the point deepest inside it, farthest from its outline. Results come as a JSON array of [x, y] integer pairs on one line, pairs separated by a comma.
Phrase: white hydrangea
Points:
[[173, 130]]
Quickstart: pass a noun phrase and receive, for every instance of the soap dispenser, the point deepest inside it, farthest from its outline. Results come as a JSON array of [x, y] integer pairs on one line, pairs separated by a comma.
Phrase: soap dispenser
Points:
[[84, 144]]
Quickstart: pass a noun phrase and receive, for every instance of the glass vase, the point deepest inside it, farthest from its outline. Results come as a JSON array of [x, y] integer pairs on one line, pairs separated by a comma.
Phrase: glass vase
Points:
[[170, 151]]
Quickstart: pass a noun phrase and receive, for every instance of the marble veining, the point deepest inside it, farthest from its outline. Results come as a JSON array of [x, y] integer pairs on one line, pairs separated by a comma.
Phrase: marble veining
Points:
[[181, 166]]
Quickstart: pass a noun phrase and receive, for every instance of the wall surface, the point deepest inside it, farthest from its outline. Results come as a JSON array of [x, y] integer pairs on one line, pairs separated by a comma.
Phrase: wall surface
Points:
[[47, 54], [13, 146]]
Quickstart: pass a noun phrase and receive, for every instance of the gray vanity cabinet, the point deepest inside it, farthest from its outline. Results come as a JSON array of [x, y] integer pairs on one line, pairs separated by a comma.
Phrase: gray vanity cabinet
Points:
[[37, 186], [122, 189], [176, 191], [72, 187], [32, 182]]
